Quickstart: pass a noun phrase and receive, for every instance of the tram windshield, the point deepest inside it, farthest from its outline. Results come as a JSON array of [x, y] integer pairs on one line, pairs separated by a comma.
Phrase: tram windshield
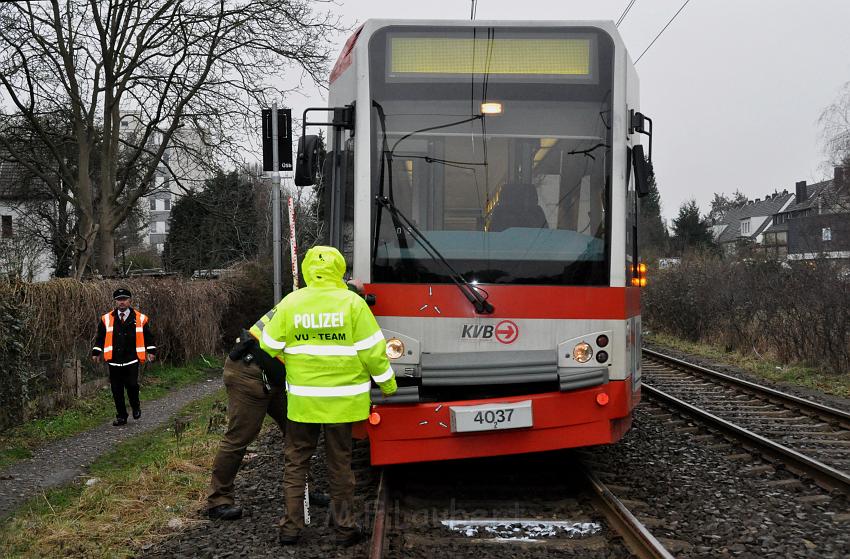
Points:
[[495, 143]]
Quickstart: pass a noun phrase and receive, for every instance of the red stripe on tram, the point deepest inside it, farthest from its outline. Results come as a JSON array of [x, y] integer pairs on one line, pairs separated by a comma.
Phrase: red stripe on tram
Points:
[[510, 301]]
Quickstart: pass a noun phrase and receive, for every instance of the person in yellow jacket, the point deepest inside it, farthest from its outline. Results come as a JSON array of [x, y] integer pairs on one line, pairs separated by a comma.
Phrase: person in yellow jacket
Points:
[[334, 350]]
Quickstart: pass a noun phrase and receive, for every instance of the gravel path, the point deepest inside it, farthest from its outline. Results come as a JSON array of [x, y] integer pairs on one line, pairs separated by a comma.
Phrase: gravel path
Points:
[[58, 463]]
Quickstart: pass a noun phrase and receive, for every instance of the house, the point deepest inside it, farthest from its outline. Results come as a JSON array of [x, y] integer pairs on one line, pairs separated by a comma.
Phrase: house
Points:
[[817, 223], [23, 250], [745, 225]]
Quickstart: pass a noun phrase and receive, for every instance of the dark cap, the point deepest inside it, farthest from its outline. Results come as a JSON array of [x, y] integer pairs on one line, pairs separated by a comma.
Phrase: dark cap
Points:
[[121, 294]]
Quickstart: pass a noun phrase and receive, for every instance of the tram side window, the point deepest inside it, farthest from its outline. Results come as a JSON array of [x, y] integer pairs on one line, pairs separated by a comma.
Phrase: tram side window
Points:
[[631, 220], [348, 200], [345, 193]]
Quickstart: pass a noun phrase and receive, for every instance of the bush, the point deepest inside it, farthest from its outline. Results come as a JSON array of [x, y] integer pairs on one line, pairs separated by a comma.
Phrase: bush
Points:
[[47, 328], [252, 286], [797, 312], [13, 363], [185, 315]]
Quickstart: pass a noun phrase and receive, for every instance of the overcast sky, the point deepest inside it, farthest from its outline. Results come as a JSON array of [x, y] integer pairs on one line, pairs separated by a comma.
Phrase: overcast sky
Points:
[[734, 87]]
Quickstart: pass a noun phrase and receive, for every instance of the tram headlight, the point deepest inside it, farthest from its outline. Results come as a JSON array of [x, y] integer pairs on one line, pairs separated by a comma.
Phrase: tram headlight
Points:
[[395, 348], [582, 352], [491, 108]]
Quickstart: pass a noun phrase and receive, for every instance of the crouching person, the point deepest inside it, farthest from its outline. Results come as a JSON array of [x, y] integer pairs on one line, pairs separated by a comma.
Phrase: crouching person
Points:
[[334, 350], [254, 381]]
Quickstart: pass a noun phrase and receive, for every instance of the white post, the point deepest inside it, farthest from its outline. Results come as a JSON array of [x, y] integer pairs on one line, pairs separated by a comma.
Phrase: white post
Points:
[[275, 207], [293, 247]]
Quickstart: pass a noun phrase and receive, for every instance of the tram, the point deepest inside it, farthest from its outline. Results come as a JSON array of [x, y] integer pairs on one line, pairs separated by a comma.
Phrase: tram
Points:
[[482, 178]]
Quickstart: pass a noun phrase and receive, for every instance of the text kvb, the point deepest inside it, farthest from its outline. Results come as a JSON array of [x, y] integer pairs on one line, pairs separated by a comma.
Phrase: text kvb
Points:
[[477, 331]]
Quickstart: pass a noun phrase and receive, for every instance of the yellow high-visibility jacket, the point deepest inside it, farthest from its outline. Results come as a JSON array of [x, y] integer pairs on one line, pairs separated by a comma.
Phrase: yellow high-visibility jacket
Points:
[[331, 343]]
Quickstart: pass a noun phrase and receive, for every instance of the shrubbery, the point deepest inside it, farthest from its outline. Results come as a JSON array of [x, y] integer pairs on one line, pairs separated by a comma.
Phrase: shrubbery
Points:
[[14, 371], [796, 312], [44, 326]]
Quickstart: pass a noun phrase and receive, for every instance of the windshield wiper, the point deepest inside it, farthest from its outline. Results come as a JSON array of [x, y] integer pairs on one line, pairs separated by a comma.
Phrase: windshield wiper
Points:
[[482, 306], [387, 159]]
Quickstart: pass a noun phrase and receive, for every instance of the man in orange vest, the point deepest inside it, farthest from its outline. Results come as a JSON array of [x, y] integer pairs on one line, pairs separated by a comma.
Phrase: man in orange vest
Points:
[[124, 340]]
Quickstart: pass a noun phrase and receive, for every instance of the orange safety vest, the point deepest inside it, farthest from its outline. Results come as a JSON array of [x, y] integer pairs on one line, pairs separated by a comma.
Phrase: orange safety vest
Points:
[[109, 321]]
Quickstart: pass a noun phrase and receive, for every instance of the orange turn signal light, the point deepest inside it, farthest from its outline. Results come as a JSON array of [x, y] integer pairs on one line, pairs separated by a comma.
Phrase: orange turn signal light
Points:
[[374, 418], [639, 275], [602, 399]]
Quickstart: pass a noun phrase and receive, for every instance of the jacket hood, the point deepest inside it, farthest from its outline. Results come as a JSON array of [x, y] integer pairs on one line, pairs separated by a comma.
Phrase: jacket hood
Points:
[[323, 267]]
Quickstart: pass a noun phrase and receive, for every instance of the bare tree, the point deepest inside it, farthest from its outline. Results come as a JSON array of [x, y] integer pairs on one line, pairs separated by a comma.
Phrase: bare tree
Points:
[[170, 64], [722, 203], [834, 122]]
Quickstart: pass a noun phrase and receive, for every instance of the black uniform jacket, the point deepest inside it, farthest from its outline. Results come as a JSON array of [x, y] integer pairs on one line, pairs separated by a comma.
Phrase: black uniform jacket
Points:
[[123, 339]]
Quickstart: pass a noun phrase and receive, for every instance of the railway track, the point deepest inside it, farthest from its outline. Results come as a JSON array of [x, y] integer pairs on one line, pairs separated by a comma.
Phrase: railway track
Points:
[[522, 507], [809, 438]]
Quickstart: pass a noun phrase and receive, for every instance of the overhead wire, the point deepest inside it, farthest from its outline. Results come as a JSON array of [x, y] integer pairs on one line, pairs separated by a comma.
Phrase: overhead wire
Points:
[[662, 30], [625, 12]]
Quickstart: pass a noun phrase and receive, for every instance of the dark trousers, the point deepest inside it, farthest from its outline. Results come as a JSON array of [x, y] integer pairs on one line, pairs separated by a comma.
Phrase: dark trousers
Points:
[[247, 406], [121, 378], [301, 442]]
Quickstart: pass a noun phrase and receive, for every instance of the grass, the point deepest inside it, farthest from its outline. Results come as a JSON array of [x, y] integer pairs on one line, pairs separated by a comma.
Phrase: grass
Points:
[[17, 443], [141, 485], [762, 366]]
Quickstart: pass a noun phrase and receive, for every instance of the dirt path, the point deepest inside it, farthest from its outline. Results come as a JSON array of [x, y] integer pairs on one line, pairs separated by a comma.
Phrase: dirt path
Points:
[[60, 462]]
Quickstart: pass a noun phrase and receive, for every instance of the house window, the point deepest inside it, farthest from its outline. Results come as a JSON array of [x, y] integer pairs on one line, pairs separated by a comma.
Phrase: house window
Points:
[[826, 233], [159, 247], [153, 227], [745, 227], [153, 204], [167, 205], [6, 228]]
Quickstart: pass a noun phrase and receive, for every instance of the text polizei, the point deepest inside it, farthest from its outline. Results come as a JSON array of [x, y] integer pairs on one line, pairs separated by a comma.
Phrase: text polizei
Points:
[[320, 320]]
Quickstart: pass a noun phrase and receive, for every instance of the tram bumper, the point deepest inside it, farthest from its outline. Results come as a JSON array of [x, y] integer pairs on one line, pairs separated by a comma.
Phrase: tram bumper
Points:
[[425, 432]]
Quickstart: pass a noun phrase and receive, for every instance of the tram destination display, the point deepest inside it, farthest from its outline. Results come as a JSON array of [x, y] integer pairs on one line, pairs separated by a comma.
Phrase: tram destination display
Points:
[[450, 58]]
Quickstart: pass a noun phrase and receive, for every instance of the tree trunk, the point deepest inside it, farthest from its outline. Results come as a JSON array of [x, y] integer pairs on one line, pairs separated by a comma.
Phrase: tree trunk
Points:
[[106, 250], [87, 228], [84, 248]]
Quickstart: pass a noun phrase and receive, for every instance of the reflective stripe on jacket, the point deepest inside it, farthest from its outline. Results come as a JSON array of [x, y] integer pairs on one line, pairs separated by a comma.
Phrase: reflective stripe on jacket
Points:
[[332, 344], [108, 321], [258, 329]]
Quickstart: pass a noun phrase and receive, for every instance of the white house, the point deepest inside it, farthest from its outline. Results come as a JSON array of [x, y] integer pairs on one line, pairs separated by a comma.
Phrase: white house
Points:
[[23, 250]]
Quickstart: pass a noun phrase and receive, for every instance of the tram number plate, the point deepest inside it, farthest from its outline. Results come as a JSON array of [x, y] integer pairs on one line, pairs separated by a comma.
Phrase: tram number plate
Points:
[[490, 417]]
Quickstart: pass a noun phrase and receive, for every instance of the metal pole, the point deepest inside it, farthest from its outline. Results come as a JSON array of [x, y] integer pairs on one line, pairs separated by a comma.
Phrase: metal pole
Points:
[[275, 207], [293, 246]]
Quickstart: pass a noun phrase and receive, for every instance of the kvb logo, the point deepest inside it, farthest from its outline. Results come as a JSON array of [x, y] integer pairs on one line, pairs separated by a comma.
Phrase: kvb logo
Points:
[[477, 332], [505, 332]]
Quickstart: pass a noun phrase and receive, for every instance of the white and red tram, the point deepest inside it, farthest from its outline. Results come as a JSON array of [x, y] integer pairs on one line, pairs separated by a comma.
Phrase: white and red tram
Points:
[[482, 179]]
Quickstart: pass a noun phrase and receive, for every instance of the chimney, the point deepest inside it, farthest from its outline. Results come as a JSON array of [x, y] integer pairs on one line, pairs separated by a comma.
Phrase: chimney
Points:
[[801, 192], [757, 200]]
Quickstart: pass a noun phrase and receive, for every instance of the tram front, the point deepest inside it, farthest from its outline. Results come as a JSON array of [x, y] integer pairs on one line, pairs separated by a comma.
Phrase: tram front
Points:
[[489, 206]]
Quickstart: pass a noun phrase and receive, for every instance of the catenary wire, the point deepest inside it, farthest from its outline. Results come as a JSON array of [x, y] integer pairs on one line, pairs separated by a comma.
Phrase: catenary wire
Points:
[[662, 30], [625, 12]]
